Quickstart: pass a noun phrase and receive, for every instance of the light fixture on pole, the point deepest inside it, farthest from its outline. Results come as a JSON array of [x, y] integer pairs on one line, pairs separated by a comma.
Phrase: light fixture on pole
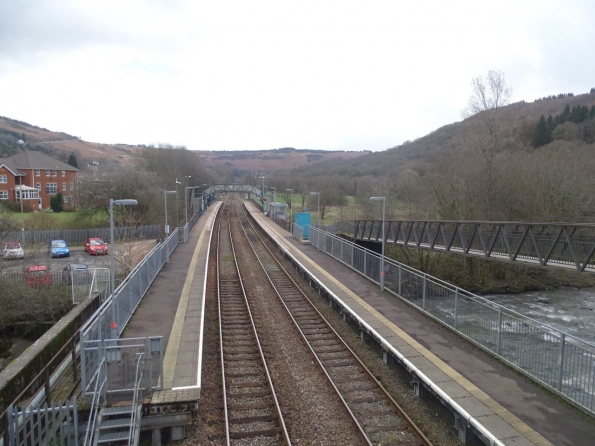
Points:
[[177, 211], [112, 202], [318, 218], [262, 190], [383, 199], [186, 198]]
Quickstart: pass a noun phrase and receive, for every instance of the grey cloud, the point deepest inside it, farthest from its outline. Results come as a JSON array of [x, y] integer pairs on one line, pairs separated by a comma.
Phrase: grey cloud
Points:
[[33, 30]]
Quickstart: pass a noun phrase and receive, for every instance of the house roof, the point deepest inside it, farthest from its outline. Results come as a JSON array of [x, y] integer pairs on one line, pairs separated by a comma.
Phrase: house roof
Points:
[[10, 165], [28, 159]]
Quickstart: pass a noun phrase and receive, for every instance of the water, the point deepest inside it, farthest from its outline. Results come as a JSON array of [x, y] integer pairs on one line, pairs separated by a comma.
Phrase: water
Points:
[[570, 310]]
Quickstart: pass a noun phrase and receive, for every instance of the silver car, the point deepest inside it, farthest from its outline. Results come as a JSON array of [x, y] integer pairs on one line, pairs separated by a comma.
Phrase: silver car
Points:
[[13, 250]]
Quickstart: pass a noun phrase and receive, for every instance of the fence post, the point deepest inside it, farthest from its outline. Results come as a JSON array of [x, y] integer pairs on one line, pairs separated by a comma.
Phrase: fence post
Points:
[[423, 302], [399, 293], [561, 371], [499, 330], [456, 308]]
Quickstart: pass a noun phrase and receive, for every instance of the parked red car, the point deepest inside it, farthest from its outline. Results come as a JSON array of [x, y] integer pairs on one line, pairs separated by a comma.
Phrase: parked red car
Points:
[[95, 246], [37, 275]]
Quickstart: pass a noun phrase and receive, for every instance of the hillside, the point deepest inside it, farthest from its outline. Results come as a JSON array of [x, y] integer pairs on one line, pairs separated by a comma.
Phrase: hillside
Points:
[[242, 162], [16, 135]]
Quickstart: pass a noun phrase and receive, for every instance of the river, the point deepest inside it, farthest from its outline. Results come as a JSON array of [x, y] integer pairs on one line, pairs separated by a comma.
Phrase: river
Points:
[[571, 310]]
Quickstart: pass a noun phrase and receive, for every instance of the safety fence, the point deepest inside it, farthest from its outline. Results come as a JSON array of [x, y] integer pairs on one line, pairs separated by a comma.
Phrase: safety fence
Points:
[[557, 360], [113, 315], [78, 236]]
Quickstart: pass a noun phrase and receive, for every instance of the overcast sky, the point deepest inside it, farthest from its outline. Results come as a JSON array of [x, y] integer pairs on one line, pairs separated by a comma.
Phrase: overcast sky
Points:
[[253, 75]]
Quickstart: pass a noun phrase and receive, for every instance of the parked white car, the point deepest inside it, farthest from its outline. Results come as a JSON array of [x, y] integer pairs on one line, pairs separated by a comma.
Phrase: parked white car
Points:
[[13, 250]]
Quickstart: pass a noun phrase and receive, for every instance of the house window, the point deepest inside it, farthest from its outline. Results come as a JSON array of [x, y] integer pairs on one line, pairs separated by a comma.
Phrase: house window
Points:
[[54, 173], [51, 188], [38, 186], [3, 195], [63, 173], [27, 195], [63, 186], [37, 172], [47, 173], [3, 178], [71, 186]]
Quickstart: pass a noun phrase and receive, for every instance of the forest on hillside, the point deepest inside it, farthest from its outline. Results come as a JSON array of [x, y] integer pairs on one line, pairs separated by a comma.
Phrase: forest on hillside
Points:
[[487, 167]]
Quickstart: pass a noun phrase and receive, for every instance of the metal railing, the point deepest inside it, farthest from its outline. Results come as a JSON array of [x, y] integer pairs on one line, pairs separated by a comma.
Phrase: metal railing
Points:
[[562, 245], [559, 361], [113, 315], [50, 425], [78, 236]]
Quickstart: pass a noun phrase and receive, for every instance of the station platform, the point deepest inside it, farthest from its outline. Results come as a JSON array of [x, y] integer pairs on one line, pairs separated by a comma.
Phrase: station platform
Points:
[[513, 409], [173, 308]]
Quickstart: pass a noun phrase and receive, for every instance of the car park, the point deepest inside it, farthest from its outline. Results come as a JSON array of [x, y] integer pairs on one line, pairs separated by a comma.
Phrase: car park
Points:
[[13, 250], [58, 248], [77, 273], [37, 275], [95, 246]]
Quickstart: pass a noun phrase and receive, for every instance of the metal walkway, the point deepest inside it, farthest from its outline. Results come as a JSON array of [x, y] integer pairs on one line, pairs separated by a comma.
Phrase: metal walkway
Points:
[[560, 245]]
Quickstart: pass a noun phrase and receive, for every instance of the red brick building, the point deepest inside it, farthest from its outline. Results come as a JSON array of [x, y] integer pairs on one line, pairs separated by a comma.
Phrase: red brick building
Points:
[[36, 177]]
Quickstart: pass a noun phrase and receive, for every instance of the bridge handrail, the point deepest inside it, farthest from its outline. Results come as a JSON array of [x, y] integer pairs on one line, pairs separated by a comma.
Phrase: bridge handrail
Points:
[[562, 245]]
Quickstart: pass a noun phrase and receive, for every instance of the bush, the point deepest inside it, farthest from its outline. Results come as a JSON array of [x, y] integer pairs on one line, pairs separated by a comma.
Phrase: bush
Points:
[[57, 202]]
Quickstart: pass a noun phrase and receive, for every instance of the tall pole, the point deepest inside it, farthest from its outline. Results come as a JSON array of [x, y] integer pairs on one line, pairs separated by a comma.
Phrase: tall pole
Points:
[[381, 279], [112, 251], [317, 218], [177, 200], [166, 227]]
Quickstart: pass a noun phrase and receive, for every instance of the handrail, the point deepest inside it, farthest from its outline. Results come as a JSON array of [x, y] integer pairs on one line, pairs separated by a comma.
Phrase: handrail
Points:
[[133, 417], [90, 432]]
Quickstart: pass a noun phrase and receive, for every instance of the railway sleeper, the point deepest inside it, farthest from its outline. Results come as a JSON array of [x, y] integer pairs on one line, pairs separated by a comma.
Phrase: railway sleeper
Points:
[[252, 434]]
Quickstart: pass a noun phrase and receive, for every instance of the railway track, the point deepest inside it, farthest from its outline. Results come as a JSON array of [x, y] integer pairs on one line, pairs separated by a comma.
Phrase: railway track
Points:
[[250, 406], [379, 418]]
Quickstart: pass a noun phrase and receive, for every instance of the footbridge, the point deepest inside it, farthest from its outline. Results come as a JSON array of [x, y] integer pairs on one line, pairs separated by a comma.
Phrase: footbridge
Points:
[[559, 245]]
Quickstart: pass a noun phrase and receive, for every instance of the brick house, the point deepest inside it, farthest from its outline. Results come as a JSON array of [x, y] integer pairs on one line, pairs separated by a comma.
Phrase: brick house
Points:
[[37, 177]]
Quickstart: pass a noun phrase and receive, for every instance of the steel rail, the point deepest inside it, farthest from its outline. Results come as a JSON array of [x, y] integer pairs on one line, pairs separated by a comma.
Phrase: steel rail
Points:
[[399, 410], [239, 283]]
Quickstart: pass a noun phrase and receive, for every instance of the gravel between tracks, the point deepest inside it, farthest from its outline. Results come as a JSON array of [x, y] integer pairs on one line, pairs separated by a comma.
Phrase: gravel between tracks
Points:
[[313, 413]]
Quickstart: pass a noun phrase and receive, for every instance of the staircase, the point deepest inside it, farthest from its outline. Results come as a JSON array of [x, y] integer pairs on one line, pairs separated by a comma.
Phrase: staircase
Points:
[[115, 425]]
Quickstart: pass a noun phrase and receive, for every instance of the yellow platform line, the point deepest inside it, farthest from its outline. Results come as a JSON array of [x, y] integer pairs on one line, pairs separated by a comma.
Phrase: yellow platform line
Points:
[[496, 407], [173, 345]]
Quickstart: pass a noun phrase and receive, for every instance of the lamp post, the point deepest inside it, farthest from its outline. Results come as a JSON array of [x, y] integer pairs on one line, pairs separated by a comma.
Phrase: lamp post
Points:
[[177, 211], [318, 218], [383, 199], [186, 198], [274, 194], [186, 189], [125, 202]]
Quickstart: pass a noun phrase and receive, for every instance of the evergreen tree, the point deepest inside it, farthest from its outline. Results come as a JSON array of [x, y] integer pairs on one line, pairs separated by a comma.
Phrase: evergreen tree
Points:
[[541, 137], [72, 161], [57, 202], [565, 114], [550, 126], [592, 112]]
